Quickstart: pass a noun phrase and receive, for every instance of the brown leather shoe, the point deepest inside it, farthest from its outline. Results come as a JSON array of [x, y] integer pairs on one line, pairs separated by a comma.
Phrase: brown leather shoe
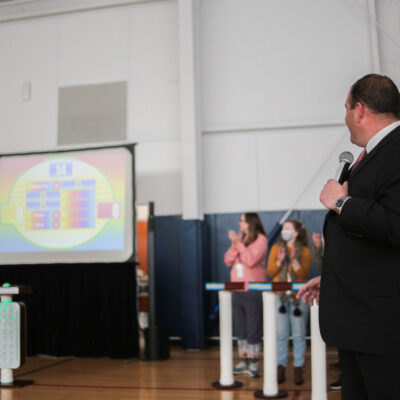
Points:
[[281, 374], [298, 375]]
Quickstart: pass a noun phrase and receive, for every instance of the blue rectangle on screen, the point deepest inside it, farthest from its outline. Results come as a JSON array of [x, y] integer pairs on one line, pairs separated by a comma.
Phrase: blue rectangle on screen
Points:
[[68, 184], [32, 195], [53, 195], [32, 205], [60, 169], [52, 205], [88, 183]]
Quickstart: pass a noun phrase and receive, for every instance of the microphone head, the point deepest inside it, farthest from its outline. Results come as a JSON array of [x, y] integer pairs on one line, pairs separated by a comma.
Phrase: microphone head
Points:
[[346, 156]]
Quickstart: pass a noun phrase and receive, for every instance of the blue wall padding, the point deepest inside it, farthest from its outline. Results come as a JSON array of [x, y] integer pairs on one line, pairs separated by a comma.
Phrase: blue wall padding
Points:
[[192, 284], [191, 252], [167, 264]]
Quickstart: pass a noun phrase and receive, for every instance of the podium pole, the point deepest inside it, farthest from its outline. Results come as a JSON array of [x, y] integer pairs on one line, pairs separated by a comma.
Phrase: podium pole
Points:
[[270, 387], [225, 333], [318, 358]]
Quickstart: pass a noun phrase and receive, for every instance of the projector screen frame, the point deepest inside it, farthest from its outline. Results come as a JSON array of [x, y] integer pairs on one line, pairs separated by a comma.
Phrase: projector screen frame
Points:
[[68, 256]]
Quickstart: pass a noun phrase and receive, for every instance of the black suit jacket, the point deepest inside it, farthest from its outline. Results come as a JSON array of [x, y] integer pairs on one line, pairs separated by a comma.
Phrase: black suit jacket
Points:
[[360, 285]]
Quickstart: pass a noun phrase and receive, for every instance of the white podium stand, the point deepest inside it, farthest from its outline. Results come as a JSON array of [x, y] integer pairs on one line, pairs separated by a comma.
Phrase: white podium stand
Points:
[[270, 386], [318, 358], [226, 380], [318, 353]]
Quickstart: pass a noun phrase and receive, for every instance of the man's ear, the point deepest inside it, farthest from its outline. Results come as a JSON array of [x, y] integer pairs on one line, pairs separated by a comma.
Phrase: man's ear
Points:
[[360, 111]]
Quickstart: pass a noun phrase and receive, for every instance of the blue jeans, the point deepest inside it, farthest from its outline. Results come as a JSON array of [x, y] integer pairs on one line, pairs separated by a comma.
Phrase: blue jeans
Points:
[[287, 323]]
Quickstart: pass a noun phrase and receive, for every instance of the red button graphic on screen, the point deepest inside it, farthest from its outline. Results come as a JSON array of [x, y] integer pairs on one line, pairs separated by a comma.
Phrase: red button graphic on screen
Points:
[[109, 210]]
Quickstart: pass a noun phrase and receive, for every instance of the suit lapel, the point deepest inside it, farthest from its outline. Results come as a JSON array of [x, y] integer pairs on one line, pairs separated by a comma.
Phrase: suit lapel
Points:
[[369, 156]]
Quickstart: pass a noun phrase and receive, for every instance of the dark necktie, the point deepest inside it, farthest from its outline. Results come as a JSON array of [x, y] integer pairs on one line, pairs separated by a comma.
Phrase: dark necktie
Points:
[[360, 157]]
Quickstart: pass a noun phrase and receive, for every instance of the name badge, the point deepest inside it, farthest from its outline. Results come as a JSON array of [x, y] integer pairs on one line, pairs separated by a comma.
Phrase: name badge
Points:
[[239, 270]]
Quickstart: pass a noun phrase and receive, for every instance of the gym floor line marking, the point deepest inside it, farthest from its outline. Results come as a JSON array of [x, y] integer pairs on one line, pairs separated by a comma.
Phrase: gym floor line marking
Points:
[[296, 394], [44, 368], [154, 388]]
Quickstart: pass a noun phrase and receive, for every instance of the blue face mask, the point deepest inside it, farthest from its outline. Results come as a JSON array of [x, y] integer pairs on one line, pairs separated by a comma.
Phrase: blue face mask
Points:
[[286, 234]]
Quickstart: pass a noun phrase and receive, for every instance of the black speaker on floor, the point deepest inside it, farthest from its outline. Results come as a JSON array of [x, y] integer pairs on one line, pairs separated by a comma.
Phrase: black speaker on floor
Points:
[[156, 338], [156, 344]]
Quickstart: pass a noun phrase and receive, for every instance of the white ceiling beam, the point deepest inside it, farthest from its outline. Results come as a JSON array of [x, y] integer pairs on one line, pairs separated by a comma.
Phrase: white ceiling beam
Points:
[[25, 9]]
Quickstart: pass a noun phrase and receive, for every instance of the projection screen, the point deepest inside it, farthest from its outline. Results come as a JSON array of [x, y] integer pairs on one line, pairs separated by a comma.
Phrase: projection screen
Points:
[[67, 207]]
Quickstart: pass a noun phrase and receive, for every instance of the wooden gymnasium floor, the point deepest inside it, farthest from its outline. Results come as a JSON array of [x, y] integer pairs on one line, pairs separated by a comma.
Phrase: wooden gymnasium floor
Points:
[[186, 375]]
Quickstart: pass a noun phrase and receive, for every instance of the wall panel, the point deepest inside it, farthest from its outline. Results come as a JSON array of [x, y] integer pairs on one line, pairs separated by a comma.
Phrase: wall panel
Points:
[[158, 176], [93, 47], [268, 62], [28, 54], [153, 74], [230, 172], [292, 162]]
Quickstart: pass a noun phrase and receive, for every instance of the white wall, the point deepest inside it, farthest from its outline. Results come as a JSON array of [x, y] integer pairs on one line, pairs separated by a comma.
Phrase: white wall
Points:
[[270, 170], [270, 64], [28, 53], [93, 47], [388, 22], [273, 76]]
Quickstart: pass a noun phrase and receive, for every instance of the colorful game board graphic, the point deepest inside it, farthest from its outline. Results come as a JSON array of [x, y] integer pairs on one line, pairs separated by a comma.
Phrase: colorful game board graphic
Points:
[[64, 203]]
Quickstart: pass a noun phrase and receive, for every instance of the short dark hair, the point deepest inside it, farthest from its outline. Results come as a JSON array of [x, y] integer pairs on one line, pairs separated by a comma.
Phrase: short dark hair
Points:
[[377, 92]]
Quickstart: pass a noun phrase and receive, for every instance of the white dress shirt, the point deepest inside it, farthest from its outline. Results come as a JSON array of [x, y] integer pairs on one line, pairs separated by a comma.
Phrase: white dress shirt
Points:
[[380, 135]]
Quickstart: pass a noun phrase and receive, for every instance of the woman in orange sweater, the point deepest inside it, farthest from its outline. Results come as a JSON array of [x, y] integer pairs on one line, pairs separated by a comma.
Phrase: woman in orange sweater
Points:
[[289, 261]]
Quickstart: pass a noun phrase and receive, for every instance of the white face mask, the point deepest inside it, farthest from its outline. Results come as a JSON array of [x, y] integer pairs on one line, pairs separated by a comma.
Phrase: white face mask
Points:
[[286, 234]]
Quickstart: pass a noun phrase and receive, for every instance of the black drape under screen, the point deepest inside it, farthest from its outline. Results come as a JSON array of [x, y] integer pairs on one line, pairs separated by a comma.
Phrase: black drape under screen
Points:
[[84, 310]]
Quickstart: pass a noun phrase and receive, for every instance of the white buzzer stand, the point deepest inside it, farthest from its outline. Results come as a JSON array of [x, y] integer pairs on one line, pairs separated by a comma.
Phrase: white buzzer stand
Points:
[[226, 380], [12, 335], [318, 351], [225, 327], [6, 373], [318, 358], [270, 387]]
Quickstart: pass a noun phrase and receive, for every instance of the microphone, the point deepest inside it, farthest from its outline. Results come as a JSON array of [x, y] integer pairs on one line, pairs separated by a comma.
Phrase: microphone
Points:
[[345, 159]]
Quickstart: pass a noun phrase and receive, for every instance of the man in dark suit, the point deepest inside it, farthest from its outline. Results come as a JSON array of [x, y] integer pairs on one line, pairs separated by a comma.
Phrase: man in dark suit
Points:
[[359, 290]]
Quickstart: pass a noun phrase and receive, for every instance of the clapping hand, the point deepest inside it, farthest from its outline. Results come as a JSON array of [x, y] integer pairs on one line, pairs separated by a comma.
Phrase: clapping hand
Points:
[[234, 237], [296, 265], [280, 256], [316, 238]]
